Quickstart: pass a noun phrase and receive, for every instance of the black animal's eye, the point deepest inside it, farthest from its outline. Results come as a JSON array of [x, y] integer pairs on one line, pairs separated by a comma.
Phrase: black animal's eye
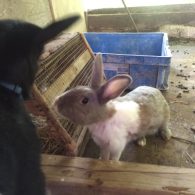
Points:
[[85, 100]]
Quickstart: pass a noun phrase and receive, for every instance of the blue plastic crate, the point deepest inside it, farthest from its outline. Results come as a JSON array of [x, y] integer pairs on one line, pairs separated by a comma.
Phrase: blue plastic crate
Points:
[[145, 56]]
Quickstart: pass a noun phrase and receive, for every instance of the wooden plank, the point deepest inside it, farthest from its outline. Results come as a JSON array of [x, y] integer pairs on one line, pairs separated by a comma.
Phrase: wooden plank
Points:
[[87, 45], [74, 175]]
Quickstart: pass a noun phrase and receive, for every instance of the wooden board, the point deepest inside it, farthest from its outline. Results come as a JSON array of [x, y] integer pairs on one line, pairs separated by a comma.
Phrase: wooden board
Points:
[[74, 175]]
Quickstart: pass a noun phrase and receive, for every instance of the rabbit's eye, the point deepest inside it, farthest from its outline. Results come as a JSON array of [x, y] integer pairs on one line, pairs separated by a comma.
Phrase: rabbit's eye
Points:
[[85, 100]]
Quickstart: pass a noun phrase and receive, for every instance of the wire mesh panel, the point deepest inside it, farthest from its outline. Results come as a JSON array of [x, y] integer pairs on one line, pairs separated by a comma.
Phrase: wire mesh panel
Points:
[[65, 63]]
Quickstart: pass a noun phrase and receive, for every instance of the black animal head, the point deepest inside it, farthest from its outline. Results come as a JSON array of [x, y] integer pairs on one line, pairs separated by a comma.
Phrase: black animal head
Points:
[[21, 44]]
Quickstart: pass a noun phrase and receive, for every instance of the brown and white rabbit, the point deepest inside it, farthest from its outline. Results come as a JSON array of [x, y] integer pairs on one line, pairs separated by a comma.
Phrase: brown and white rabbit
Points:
[[114, 121]]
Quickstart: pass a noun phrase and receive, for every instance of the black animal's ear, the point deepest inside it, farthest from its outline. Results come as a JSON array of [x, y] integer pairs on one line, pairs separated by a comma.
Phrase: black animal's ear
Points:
[[55, 28]]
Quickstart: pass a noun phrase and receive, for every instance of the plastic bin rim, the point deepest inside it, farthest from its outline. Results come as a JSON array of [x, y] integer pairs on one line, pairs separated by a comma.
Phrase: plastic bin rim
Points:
[[140, 33], [134, 55]]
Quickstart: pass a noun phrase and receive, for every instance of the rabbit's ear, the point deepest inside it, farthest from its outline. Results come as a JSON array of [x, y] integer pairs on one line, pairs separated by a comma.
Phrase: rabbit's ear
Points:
[[113, 88], [55, 28], [98, 72]]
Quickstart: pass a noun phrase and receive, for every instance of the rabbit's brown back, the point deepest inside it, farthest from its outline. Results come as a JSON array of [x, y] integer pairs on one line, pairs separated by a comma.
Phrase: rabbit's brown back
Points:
[[154, 109]]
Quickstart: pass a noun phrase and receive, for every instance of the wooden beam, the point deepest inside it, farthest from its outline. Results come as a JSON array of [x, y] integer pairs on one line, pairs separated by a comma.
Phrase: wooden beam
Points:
[[74, 175]]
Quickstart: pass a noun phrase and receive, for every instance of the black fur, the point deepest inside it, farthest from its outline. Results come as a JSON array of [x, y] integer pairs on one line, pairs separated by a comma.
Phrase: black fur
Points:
[[21, 44]]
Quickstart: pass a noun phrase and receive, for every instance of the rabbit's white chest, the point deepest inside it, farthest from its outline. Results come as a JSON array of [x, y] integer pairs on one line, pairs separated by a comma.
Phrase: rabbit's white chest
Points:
[[119, 128]]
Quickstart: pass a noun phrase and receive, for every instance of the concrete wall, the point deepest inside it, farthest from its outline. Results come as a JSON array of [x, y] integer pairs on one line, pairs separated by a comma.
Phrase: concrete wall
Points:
[[42, 12], [35, 11], [150, 18], [63, 7], [99, 4]]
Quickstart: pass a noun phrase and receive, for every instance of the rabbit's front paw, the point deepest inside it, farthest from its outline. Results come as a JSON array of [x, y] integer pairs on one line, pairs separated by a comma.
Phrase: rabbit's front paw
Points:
[[141, 141], [166, 134]]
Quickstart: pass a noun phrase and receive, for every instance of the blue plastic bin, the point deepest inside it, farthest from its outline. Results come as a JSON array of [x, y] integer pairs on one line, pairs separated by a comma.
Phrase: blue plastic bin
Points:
[[144, 56]]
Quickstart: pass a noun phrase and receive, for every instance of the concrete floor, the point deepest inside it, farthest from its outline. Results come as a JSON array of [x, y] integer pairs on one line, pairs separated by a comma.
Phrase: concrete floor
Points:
[[180, 150]]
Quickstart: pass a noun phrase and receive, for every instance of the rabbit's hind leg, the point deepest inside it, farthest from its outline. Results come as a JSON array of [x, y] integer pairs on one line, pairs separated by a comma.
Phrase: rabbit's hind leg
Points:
[[141, 141], [165, 132]]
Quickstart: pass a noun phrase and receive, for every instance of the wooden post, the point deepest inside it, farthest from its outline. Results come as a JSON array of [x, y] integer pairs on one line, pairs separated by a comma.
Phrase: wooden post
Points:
[[87, 45]]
